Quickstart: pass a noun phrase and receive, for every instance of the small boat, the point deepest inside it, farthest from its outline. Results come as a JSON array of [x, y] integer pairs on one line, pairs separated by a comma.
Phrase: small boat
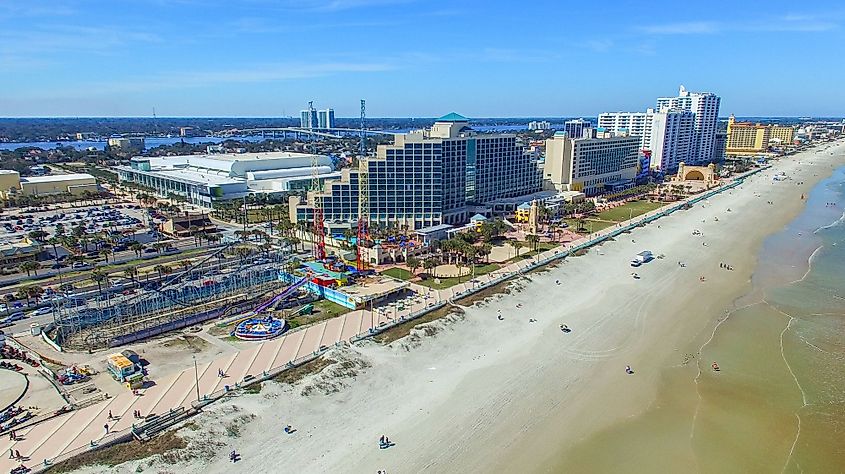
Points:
[[715, 366]]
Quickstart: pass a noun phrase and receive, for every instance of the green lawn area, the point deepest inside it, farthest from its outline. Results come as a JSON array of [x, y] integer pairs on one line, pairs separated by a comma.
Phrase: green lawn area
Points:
[[397, 272], [525, 253], [323, 309], [452, 281], [625, 212], [589, 224]]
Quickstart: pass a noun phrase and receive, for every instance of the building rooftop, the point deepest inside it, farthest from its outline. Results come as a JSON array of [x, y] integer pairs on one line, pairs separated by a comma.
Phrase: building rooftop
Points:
[[8, 172], [453, 117], [432, 229], [56, 177]]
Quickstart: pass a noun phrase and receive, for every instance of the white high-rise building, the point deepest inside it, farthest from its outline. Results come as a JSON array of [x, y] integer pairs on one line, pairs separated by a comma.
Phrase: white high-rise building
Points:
[[635, 124], [705, 106], [672, 138], [308, 118], [539, 125], [325, 118]]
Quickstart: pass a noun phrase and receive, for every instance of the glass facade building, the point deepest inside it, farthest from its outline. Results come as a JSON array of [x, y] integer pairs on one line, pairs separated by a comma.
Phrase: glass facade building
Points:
[[431, 177]]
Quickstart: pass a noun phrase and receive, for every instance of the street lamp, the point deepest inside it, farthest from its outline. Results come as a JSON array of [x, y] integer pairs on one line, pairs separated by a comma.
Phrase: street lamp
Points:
[[196, 377]]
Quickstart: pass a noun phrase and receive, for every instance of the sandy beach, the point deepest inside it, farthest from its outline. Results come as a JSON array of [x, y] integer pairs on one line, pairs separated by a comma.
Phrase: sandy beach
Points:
[[470, 393]]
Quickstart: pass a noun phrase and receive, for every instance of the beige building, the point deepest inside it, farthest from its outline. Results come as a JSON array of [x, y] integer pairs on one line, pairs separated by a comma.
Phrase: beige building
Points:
[[13, 252], [591, 165], [11, 184], [188, 225], [744, 138]]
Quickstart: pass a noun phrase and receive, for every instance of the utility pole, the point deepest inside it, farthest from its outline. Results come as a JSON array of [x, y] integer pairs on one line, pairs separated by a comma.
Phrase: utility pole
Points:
[[197, 378], [246, 214]]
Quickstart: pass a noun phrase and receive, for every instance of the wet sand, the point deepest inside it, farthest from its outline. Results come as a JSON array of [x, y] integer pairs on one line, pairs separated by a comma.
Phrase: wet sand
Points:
[[484, 395], [758, 412]]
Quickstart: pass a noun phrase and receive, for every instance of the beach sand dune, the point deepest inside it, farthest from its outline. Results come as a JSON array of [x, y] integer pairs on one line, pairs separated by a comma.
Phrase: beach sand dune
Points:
[[484, 395]]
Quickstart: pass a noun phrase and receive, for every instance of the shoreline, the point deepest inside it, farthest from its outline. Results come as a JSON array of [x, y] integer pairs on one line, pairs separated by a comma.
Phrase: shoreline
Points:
[[488, 395], [674, 393]]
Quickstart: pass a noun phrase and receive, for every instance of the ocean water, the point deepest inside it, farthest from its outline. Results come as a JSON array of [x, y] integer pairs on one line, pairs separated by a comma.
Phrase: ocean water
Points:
[[778, 404]]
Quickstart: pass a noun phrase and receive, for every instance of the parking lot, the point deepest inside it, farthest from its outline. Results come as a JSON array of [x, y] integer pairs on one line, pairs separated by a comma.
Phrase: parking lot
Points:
[[93, 219]]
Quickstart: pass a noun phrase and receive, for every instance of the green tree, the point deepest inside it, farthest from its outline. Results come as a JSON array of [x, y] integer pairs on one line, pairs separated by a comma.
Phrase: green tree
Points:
[[429, 265], [137, 247], [99, 278], [516, 245], [29, 267], [533, 240], [105, 252], [413, 263]]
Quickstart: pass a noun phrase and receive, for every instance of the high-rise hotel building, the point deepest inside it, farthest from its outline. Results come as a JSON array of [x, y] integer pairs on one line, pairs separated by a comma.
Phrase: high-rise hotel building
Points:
[[705, 106], [595, 163], [636, 124], [429, 177]]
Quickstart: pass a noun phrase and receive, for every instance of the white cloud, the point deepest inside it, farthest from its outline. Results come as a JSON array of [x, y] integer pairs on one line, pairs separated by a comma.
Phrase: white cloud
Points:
[[255, 74], [795, 23]]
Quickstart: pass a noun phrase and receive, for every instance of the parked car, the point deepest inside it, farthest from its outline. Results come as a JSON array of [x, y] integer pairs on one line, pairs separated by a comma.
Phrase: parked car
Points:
[[42, 311], [12, 318]]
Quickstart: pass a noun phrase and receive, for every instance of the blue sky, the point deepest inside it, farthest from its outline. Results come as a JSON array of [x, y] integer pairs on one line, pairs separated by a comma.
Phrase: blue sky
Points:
[[415, 58]]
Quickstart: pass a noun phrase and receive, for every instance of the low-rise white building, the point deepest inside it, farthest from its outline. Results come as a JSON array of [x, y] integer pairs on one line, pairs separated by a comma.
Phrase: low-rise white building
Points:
[[205, 179]]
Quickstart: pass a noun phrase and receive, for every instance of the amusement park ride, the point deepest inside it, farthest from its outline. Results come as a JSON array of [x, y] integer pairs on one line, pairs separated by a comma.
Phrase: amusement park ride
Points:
[[363, 234]]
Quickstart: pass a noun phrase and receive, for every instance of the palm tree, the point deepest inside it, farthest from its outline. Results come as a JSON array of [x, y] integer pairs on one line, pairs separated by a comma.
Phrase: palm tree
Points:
[[199, 236], [29, 266], [516, 245], [533, 240], [484, 251], [131, 272], [212, 238], [159, 269], [413, 263], [194, 230], [99, 278], [460, 265], [37, 235], [33, 291], [105, 252], [185, 264], [429, 265], [166, 269], [137, 247]]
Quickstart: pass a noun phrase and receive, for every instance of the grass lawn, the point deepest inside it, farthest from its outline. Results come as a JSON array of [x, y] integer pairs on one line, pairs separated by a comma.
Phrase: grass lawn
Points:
[[626, 211], [596, 225], [452, 281], [399, 273], [526, 254], [323, 309]]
